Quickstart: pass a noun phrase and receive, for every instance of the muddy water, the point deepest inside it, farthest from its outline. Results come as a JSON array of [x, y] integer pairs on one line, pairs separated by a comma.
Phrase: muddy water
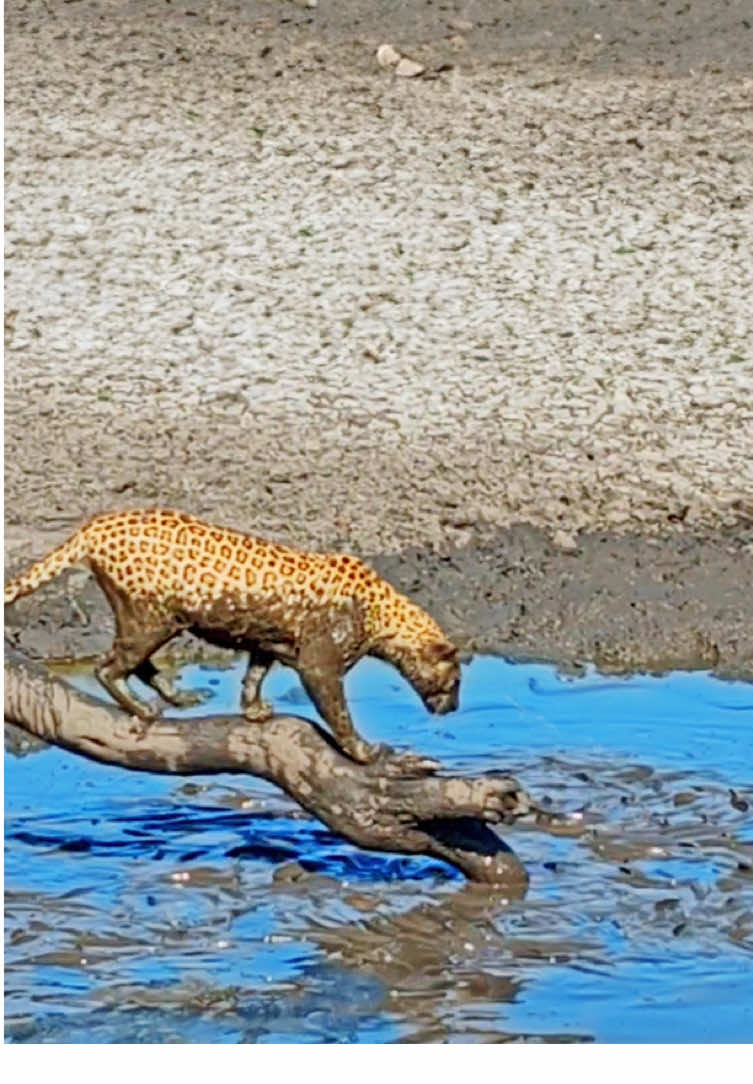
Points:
[[150, 909]]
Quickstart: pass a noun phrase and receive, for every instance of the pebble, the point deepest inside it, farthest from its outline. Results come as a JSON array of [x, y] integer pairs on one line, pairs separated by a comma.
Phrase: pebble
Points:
[[387, 56], [409, 68], [563, 540]]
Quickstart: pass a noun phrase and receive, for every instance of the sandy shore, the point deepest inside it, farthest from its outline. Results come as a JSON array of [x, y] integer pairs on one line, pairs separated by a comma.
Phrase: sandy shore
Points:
[[490, 326]]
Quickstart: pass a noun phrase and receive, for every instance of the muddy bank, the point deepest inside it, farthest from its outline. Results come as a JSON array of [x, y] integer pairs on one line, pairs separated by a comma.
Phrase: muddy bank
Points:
[[623, 602]]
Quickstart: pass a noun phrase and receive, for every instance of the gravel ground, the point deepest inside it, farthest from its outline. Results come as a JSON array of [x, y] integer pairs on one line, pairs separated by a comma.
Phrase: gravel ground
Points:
[[253, 274]]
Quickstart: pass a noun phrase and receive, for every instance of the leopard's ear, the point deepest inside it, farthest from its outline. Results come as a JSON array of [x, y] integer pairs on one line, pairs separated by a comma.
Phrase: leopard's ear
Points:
[[443, 651]]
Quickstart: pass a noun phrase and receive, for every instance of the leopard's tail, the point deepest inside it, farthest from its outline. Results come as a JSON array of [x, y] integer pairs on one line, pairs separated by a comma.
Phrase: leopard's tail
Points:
[[62, 557]]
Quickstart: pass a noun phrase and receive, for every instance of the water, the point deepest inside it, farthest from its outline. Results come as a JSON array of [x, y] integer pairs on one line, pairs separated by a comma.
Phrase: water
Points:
[[154, 909]]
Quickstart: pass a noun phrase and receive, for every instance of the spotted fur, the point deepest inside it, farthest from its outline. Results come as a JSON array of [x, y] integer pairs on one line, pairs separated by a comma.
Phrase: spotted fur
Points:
[[164, 571]]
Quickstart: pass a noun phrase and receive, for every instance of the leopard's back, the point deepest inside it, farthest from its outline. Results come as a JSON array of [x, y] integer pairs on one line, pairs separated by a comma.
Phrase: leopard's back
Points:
[[169, 557], [174, 562]]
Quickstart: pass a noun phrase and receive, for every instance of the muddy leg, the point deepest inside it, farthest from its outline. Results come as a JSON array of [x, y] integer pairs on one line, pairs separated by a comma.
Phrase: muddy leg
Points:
[[129, 653], [161, 683], [113, 670], [321, 666], [252, 705], [139, 632], [326, 691]]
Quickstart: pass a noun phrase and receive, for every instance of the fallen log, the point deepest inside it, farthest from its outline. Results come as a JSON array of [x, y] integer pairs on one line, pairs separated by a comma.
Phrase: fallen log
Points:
[[398, 803]]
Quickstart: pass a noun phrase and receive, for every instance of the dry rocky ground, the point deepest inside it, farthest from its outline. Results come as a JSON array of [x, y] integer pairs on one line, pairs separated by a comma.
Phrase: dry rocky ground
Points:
[[491, 325]]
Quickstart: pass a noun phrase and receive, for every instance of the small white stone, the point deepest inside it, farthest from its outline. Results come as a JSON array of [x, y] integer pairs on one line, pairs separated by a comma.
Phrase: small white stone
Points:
[[409, 68], [387, 55], [565, 541]]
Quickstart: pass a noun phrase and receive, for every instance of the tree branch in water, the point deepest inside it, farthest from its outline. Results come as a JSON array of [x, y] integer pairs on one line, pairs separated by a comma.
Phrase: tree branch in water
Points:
[[395, 804]]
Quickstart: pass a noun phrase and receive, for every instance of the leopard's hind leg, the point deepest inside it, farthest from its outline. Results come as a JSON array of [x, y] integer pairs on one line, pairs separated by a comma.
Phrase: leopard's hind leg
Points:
[[140, 630], [164, 685], [254, 708]]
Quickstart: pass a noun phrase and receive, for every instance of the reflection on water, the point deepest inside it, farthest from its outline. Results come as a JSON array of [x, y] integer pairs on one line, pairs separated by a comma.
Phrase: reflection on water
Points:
[[153, 909]]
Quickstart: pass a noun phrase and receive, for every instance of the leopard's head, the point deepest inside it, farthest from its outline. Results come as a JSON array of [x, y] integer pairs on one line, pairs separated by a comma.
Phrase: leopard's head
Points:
[[438, 678], [433, 669]]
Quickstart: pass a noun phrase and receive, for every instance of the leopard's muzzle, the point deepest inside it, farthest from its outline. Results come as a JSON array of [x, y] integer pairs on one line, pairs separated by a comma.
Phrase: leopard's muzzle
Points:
[[441, 703]]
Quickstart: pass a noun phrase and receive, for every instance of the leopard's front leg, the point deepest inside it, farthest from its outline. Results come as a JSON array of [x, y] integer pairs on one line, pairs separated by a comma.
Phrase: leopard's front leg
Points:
[[328, 639], [326, 691]]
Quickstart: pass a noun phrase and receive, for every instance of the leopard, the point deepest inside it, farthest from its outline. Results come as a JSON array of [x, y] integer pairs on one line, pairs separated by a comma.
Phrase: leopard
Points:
[[164, 572]]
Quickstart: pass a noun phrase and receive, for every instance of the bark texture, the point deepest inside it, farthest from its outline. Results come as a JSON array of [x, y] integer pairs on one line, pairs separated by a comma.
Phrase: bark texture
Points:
[[396, 804]]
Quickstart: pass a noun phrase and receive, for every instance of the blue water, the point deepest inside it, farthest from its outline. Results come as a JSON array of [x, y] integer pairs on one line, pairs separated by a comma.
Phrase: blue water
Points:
[[153, 909]]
